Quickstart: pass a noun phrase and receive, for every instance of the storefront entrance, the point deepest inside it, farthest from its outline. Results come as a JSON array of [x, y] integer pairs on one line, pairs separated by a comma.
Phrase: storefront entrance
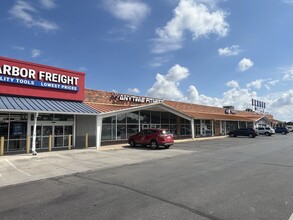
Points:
[[58, 132]]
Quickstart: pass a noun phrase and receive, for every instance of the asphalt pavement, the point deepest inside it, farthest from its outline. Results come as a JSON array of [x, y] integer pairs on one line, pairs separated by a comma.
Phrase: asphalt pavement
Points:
[[231, 178]]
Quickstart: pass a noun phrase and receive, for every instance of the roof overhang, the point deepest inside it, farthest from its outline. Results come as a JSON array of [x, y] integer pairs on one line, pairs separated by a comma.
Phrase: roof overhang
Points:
[[150, 107], [47, 106]]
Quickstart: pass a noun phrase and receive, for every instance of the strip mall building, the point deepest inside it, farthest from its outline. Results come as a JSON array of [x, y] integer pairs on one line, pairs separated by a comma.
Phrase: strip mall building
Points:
[[38, 102]]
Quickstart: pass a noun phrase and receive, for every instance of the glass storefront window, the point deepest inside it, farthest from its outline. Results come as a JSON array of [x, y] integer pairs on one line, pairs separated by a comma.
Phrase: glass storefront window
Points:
[[58, 142], [43, 117], [47, 130], [166, 126], [165, 118], [145, 117], [18, 130], [108, 132], [173, 118], [61, 117], [121, 132], [173, 129], [242, 124], [121, 118], [131, 130], [155, 117], [4, 130], [15, 145], [58, 130], [132, 117], [68, 130], [185, 130], [231, 126], [250, 124]]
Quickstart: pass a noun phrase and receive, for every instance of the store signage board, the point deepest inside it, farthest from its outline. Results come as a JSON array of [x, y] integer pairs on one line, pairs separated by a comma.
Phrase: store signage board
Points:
[[133, 98], [35, 80]]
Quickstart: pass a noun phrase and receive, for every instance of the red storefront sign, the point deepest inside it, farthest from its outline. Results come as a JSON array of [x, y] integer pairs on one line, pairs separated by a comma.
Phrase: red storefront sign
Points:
[[35, 80]]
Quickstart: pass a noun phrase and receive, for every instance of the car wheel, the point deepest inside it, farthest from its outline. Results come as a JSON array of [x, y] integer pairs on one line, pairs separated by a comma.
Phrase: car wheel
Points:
[[154, 144], [235, 135], [267, 134], [251, 135], [167, 146], [132, 143], [283, 133]]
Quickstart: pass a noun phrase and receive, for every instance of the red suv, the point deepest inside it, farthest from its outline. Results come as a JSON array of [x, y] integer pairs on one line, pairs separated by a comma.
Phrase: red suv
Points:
[[154, 137]]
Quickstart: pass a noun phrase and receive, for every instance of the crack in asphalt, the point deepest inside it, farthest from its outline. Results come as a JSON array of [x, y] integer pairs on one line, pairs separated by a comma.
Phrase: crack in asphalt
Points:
[[195, 211]]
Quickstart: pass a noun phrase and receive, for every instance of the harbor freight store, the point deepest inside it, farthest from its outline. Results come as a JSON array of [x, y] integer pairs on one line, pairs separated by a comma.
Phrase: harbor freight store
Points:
[[46, 106], [42, 105]]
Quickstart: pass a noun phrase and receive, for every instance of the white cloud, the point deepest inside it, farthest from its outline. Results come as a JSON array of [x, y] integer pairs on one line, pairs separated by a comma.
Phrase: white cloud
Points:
[[284, 99], [133, 12], [159, 61], [255, 84], [24, 12], [196, 18], [167, 86], [36, 53], [273, 82], [232, 84], [48, 4], [290, 2], [133, 90], [288, 75], [18, 48], [245, 64], [229, 51]]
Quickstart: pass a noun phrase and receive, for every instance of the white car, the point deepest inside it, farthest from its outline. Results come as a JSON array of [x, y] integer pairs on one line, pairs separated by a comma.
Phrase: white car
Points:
[[268, 131], [289, 128]]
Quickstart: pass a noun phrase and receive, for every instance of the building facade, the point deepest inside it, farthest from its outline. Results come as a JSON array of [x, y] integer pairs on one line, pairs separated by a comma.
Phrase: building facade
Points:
[[44, 107]]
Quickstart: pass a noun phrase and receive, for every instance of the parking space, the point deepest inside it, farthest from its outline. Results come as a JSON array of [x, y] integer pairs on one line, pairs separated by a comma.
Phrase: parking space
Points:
[[24, 168]]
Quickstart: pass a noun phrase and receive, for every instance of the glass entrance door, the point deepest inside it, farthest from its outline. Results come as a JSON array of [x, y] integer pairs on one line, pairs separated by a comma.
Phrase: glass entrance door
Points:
[[60, 135]]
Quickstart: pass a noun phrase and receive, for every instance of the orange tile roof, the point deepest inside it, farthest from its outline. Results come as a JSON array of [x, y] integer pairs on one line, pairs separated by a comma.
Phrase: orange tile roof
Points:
[[104, 108]]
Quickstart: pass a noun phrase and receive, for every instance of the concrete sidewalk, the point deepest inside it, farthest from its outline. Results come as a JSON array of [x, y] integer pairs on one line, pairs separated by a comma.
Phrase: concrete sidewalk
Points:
[[22, 168]]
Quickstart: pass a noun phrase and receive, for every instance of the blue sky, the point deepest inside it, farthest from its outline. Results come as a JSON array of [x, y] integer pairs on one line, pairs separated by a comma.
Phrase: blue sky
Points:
[[212, 52]]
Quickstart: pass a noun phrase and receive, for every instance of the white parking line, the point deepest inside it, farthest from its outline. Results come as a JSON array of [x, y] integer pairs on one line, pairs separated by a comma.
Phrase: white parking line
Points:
[[291, 217], [21, 171]]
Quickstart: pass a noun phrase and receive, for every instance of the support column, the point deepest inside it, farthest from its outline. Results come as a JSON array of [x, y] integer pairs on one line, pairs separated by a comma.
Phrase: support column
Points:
[[200, 127], [34, 134], [138, 122], [99, 132], [192, 128], [74, 132], [212, 127]]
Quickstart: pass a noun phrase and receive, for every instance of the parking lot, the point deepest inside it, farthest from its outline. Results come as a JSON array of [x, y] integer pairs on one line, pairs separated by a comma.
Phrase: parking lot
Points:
[[228, 178], [22, 168]]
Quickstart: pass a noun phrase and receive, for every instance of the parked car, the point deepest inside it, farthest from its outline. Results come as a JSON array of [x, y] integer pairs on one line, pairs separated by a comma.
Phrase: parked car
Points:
[[265, 131], [289, 128], [250, 132], [153, 137], [281, 130]]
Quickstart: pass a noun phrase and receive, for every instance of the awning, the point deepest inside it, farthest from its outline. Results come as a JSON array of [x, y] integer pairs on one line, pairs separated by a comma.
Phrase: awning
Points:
[[21, 104]]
